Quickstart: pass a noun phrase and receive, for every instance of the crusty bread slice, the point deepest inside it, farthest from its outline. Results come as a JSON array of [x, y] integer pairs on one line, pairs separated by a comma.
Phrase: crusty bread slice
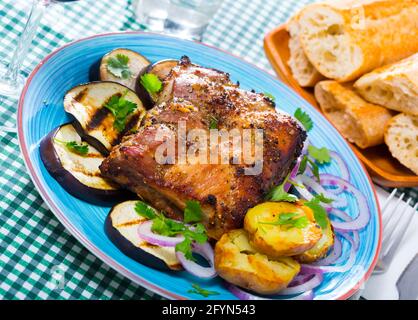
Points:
[[302, 69], [346, 39], [401, 136], [394, 86], [358, 121]]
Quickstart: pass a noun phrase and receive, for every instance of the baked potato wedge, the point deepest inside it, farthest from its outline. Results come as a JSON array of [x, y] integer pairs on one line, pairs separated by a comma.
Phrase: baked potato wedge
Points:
[[320, 249], [274, 229], [239, 263]]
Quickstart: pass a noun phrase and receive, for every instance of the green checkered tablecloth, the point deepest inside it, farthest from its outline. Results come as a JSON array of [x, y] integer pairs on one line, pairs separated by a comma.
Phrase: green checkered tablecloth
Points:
[[36, 251]]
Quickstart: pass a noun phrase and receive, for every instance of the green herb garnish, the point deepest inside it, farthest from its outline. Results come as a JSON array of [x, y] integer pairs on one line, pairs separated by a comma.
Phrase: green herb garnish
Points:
[[192, 212], [118, 66], [171, 228], [279, 194], [321, 155], [324, 199], [289, 220], [304, 118], [270, 96], [320, 213], [81, 149], [145, 210], [120, 108], [303, 164], [213, 123], [151, 83], [203, 292]]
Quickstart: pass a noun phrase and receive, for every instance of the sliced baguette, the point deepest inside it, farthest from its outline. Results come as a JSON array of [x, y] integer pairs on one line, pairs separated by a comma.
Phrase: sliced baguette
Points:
[[346, 39], [358, 121], [394, 86], [302, 69], [401, 136]]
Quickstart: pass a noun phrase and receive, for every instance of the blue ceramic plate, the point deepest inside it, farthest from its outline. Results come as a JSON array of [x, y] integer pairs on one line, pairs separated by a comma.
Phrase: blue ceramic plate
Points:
[[41, 110]]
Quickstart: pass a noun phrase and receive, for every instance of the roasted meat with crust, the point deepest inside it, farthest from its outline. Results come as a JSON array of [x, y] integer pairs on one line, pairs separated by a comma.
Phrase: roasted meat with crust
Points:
[[194, 97]]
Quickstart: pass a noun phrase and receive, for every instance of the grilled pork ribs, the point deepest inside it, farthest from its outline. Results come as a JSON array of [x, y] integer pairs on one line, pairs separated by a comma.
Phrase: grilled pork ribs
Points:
[[193, 98]]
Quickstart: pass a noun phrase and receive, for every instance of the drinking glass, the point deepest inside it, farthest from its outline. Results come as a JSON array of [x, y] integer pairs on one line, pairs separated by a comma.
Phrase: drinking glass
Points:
[[11, 80], [183, 18]]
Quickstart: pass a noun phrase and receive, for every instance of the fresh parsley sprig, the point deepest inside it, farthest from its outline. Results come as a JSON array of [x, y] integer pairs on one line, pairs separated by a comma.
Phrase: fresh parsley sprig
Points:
[[321, 155], [118, 66], [290, 220], [151, 83], [304, 119], [270, 96], [81, 149], [120, 108], [171, 228], [213, 122], [192, 212], [320, 214], [279, 194], [197, 289], [303, 164]]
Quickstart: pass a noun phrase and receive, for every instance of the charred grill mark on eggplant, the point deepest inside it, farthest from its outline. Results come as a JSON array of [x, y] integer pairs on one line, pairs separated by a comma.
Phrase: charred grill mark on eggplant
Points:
[[81, 95], [97, 118]]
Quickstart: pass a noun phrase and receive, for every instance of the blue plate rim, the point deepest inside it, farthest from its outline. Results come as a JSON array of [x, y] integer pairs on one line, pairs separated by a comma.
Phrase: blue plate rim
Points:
[[87, 243]]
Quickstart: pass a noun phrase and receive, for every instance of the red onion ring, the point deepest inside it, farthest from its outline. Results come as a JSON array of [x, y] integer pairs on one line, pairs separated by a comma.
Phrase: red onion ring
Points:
[[354, 241], [295, 169], [345, 174], [328, 269], [333, 256], [146, 234], [362, 219], [310, 283], [315, 186], [206, 251], [244, 295], [337, 190], [292, 175]]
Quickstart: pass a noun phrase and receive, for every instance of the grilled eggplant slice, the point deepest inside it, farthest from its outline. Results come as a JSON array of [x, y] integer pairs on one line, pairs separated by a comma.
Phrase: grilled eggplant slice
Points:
[[121, 226], [79, 174], [161, 69], [94, 122], [135, 64]]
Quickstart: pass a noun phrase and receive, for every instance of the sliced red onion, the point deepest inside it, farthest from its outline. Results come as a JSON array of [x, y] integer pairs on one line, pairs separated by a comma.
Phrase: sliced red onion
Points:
[[295, 169], [354, 241], [328, 269], [345, 174], [206, 251], [310, 283], [301, 278], [292, 175], [244, 295], [333, 256], [340, 214], [336, 188], [146, 234], [304, 192], [362, 219], [315, 186]]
